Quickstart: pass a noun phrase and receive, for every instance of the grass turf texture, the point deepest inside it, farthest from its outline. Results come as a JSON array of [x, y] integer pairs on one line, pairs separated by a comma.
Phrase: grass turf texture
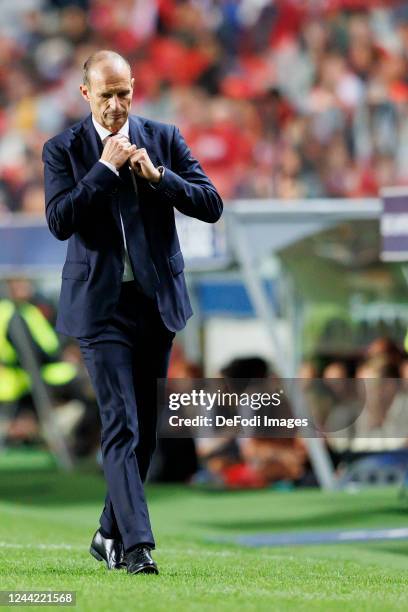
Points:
[[42, 511]]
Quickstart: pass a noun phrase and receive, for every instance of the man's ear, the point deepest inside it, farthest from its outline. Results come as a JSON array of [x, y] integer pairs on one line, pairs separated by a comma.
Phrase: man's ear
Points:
[[85, 92]]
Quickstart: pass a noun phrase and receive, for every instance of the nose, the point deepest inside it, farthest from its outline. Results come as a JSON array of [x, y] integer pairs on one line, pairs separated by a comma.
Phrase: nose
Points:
[[114, 103]]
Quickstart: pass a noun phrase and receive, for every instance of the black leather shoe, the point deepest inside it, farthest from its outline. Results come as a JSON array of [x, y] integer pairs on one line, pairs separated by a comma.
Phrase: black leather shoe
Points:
[[139, 561], [109, 550]]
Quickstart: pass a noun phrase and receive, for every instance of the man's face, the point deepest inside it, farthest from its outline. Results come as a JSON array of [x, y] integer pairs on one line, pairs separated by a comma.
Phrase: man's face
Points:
[[109, 93], [20, 289]]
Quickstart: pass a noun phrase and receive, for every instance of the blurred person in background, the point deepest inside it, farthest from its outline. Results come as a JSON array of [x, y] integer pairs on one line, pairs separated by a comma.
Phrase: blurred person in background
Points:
[[379, 387], [345, 407], [250, 461], [387, 402], [22, 319], [386, 351], [112, 181]]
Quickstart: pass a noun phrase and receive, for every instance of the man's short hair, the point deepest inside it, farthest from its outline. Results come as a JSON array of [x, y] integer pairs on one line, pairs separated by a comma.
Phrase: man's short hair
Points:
[[97, 57]]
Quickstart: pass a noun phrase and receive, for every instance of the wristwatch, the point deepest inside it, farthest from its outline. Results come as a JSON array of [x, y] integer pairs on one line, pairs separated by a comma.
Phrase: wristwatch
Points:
[[161, 170], [155, 185]]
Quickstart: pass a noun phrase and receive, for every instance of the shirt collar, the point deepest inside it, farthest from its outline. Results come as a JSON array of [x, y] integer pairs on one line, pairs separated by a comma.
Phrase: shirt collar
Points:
[[103, 132]]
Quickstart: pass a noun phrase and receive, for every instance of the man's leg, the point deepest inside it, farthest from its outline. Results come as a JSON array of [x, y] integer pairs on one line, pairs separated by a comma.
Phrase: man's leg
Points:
[[151, 357], [108, 522], [150, 365], [108, 359]]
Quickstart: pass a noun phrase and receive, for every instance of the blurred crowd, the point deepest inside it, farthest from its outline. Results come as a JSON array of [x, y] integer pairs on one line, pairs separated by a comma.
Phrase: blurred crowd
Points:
[[277, 98], [357, 404], [360, 402]]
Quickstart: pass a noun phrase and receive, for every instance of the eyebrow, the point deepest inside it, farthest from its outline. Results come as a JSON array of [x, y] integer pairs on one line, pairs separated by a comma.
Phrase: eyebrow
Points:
[[109, 93]]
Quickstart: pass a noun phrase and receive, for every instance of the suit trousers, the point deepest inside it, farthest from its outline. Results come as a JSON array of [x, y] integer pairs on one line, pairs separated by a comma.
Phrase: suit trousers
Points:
[[124, 362]]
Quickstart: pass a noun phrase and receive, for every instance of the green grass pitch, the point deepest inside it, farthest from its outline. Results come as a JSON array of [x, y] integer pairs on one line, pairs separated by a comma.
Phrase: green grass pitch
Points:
[[47, 519]]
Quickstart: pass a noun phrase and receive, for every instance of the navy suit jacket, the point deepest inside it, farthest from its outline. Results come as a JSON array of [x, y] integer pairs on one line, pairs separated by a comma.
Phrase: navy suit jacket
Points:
[[82, 205]]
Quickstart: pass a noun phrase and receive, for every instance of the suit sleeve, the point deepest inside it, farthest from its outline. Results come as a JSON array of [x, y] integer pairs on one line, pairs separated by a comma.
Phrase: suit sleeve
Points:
[[69, 203], [187, 187]]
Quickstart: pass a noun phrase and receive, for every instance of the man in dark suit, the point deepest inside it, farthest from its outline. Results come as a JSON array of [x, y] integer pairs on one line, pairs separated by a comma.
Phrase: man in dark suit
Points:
[[112, 182]]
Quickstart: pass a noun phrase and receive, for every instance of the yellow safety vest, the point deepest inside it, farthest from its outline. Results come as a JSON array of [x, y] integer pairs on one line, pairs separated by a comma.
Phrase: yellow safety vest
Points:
[[14, 381]]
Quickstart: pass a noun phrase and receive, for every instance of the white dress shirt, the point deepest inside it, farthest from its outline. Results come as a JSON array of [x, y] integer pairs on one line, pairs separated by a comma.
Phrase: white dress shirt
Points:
[[103, 133]]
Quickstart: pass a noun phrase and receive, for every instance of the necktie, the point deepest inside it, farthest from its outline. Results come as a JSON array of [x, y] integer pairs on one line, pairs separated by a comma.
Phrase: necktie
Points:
[[138, 248]]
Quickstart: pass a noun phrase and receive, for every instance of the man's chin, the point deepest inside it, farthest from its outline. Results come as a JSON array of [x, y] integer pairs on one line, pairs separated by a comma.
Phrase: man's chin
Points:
[[114, 123]]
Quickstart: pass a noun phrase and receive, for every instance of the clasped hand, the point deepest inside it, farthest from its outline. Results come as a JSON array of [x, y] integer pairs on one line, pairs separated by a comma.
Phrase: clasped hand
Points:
[[118, 150]]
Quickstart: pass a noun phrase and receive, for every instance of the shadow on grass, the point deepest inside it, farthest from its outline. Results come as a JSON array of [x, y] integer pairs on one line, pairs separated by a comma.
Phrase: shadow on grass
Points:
[[50, 487], [399, 547], [47, 570], [57, 488], [369, 517]]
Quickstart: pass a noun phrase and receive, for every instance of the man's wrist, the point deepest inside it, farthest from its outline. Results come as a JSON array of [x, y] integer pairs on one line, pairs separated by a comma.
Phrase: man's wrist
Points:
[[110, 166], [159, 175]]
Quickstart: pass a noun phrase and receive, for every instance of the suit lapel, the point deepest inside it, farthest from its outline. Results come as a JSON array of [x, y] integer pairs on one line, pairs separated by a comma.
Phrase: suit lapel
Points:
[[136, 131], [88, 148], [143, 137], [91, 143]]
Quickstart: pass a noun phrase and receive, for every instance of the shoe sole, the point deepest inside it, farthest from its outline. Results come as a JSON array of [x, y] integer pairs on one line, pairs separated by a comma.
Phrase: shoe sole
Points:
[[96, 555], [149, 569]]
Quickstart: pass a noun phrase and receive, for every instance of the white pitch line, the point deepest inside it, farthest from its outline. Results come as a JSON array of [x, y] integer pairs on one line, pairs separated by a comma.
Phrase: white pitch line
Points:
[[370, 534], [40, 546], [166, 551], [189, 551]]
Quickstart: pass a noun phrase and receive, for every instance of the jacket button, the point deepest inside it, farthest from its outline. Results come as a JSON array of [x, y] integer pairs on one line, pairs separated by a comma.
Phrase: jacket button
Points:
[[114, 190]]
